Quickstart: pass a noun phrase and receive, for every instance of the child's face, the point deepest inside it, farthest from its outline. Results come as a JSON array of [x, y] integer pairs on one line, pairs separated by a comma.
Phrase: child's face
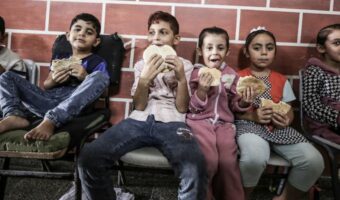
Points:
[[160, 34], [332, 48], [83, 36], [261, 51], [214, 50]]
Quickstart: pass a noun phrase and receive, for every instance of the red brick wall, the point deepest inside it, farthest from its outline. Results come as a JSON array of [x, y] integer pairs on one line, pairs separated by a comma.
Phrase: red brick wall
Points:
[[33, 25]]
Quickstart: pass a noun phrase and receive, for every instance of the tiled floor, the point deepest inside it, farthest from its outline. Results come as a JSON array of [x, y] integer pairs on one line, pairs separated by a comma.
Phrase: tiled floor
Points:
[[145, 186]]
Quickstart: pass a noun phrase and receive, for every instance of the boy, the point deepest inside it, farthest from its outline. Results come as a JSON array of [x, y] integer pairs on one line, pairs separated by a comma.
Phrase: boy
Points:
[[161, 101], [8, 59], [67, 91]]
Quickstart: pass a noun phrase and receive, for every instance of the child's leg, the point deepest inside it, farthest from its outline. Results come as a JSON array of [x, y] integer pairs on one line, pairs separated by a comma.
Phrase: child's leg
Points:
[[13, 122], [87, 92], [205, 135], [176, 142], [98, 157], [227, 182], [254, 155], [14, 91], [307, 167]]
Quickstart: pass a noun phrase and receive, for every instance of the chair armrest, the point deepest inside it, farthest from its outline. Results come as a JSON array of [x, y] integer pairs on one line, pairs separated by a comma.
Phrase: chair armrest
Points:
[[327, 142]]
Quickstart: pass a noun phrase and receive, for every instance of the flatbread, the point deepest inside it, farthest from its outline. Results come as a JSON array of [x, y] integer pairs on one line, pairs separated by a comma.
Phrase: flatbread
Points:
[[216, 74], [246, 81], [64, 63], [163, 51], [280, 107]]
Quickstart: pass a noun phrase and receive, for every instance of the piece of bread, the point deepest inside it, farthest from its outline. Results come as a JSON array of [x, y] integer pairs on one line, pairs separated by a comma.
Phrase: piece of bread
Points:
[[163, 51], [64, 63], [280, 107], [246, 81], [216, 74]]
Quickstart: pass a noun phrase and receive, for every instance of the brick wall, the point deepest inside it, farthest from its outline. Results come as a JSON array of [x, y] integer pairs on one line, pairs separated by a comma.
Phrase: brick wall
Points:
[[33, 25]]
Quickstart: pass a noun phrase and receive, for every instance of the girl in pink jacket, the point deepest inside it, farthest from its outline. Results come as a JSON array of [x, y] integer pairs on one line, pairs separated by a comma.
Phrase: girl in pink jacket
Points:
[[211, 115]]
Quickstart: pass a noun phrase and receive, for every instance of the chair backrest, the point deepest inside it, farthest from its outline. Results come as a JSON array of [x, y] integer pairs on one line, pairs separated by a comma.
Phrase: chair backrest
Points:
[[301, 71], [33, 71], [111, 48]]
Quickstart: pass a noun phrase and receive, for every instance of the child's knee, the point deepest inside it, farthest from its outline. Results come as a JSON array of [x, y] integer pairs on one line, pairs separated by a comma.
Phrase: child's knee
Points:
[[6, 75], [87, 160], [99, 78], [255, 163], [312, 161]]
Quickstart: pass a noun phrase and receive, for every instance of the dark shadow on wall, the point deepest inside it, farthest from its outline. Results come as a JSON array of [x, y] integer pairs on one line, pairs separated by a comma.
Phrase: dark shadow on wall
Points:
[[242, 61]]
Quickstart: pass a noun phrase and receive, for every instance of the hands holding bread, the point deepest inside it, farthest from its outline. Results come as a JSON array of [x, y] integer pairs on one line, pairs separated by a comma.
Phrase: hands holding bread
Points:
[[161, 59], [62, 69]]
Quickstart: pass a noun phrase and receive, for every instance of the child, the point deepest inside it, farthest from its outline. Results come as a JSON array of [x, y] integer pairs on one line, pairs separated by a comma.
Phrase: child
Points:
[[158, 119], [67, 91], [211, 115], [8, 59], [261, 130], [321, 91]]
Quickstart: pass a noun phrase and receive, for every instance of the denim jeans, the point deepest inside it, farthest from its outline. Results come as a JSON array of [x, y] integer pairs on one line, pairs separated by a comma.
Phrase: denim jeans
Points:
[[59, 104], [173, 139]]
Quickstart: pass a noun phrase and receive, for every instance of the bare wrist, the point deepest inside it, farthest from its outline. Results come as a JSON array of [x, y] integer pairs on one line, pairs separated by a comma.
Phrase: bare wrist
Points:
[[144, 82]]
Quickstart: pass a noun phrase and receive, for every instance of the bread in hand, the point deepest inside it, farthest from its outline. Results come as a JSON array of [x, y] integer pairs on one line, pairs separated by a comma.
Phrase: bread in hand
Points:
[[215, 73], [246, 81], [163, 51], [64, 63], [280, 107]]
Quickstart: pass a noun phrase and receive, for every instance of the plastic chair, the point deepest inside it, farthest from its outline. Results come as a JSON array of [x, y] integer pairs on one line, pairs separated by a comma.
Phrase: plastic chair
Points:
[[33, 71], [150, 159], [62, 146], [332, 149]]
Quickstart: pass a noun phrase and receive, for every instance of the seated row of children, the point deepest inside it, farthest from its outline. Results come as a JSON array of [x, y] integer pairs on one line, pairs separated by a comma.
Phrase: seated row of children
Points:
[[198, 127]]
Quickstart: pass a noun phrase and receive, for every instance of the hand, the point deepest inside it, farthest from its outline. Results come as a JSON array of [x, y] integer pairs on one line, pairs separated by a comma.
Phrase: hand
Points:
[[2, 69], [264, 115], [152, 67], [177, 65], [204, 82], [60, 76], [280, 121], [247, 96], [78, 71]]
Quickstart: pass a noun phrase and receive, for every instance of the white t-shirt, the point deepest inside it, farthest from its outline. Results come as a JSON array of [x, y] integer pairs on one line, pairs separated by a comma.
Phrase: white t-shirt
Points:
[[288, 94]]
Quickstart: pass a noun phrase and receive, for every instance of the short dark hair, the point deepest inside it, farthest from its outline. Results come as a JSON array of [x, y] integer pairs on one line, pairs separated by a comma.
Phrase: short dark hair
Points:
[[164, 16], [212, 30], [2, 26], [88, 18], [324, 32], [253, 34]]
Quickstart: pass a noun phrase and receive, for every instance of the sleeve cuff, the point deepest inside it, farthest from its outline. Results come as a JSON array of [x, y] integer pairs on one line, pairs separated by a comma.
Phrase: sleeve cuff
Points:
[[196, 103], [237, 106]]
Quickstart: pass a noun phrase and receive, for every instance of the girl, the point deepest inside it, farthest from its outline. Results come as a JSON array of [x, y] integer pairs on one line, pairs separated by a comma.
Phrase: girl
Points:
[[261, 130], [321, 80], [211, 115]]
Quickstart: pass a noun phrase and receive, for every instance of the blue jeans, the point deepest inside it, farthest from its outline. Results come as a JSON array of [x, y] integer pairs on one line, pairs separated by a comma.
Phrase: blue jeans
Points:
[[59, 104], [173, 139]]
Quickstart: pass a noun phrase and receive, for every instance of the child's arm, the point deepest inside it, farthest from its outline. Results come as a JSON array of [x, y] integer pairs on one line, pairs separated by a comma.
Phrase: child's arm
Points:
[[56, 78], [282, 121], [241, 102], [78, 71], [182, 94], [312, 103], [204, 84], [2, 69], [262, 115], [153, 68]]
